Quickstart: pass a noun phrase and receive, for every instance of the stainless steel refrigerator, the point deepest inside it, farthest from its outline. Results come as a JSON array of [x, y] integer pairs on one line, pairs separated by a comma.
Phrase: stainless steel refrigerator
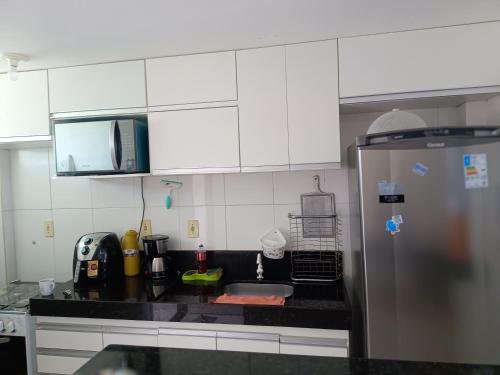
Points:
[[425, 232]]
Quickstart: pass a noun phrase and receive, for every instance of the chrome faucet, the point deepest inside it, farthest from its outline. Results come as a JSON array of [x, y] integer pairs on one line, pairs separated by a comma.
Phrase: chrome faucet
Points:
[[260, 269]]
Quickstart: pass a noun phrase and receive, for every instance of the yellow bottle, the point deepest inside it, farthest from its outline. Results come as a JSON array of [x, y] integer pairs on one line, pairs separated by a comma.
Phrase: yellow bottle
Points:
[[131, 259]]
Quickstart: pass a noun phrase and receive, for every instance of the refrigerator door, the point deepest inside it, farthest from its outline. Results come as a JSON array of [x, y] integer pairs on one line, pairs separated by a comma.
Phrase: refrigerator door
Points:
[[432, 287]]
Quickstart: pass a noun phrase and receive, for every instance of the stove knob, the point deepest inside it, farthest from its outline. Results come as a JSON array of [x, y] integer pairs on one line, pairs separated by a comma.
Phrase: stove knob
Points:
[[10, 326], [2, 328]]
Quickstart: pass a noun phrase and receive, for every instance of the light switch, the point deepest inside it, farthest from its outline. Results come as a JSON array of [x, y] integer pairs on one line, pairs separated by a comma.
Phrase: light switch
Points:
[[48, 227], [193, 229], [146, 228]]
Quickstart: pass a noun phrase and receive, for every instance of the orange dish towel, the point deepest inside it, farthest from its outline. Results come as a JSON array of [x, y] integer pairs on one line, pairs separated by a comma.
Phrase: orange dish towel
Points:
[[251, 300]]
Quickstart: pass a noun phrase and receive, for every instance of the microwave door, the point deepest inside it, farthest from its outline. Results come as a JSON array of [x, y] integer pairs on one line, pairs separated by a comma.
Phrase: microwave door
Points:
[[85, 146]]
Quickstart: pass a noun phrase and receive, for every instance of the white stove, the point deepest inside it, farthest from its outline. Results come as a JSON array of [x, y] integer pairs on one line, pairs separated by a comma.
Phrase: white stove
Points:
[[17, 349]]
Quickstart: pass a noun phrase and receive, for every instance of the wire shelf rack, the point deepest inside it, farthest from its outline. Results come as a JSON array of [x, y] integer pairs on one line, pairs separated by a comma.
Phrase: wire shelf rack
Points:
[[315, 247]]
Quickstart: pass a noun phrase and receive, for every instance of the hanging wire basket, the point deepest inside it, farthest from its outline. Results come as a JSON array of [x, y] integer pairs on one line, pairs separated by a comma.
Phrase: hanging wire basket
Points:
[[315, 248]]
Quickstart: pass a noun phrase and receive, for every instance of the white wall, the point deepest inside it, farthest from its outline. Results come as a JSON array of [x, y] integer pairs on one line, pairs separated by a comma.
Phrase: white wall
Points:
[[234, 210]]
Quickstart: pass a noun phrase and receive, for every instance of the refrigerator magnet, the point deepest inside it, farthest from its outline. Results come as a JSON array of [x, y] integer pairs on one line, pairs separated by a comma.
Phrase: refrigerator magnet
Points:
[[392, 227], [420, 169]]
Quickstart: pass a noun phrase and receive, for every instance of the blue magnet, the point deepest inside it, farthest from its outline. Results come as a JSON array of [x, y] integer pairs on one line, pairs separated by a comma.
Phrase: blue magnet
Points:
[[391, 226]]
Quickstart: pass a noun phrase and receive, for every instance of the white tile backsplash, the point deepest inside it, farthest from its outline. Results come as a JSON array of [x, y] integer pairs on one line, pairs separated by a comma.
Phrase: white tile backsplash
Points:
[[30, 179], [165, 222], [201, 190], [10, 250], [249, 188], [246, 225], [34, 251], [289, 185], [234, 210], [116, 219], [212, 227], [116, 192], [69, 226]]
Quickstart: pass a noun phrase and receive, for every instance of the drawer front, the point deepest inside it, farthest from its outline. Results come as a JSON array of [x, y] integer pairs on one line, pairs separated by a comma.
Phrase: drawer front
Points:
[[52, 364], [71, 340], [248, 342], [129, 339], [321, 351], [324, 347], [186, 339]]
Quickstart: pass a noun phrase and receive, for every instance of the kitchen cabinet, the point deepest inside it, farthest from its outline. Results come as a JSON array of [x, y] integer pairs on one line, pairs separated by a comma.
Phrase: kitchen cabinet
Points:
[[248, 342], [97, 87], [313, 103], [421, 60], [24, 105], [65, 344], [188, 339], [262, 108], [64, 362], [202, 78], [88, 338], [194, 141]]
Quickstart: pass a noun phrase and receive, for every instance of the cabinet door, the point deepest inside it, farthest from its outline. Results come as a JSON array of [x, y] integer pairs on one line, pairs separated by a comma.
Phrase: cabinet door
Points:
[[421, 60], [262, 107], [313, 102], [24, 105], [190, 141], [97, 87], [187, 339], [202, 78], [314, 346], [61, 363], [85, 338], [248, 342]]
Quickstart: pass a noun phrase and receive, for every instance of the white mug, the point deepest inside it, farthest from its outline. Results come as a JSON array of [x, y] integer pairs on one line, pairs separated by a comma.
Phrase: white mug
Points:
[[47, 286]]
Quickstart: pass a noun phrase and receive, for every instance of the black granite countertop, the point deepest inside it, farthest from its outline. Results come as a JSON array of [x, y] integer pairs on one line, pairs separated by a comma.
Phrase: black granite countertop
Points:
[[136, 298], [130, 360]]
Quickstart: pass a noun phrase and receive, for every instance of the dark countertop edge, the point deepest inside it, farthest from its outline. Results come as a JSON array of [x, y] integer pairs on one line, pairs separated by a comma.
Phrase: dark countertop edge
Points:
[[334, 319]]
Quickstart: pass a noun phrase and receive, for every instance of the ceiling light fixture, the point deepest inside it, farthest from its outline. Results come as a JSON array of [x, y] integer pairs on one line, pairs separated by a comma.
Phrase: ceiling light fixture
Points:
[[13, 60]]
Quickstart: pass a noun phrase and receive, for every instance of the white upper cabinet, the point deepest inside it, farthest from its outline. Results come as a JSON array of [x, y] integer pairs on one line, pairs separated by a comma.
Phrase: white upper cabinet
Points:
[[194, 141], [423, 60], [313, 102], [209, 77], [97, 87], [24, 105], [262, 108]]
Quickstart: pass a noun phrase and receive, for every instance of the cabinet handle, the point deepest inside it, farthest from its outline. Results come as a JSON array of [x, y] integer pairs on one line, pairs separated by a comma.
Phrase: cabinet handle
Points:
[[131, 331], [248, 336], [314, 341], [68, 327], [66, 353], [186, 332]]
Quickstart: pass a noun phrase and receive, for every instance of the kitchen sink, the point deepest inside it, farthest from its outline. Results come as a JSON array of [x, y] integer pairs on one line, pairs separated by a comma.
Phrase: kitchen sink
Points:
[[258, 289]]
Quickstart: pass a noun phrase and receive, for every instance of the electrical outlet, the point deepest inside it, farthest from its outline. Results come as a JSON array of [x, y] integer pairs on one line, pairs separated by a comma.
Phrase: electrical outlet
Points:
[[48, 227], [193, 229], [146, 228]]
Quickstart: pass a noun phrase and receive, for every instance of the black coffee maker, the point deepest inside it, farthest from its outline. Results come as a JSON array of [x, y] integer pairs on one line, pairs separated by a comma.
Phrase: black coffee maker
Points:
[[98, 258], [155, 259]]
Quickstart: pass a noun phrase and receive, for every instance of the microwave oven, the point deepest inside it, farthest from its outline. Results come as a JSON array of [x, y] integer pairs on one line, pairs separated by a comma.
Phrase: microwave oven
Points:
[[101, 147]]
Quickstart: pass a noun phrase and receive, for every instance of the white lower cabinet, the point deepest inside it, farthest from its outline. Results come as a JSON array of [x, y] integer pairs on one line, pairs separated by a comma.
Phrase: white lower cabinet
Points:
[[81, 337], [65, 362], [187, 339], [248, 342], [65, 344]]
